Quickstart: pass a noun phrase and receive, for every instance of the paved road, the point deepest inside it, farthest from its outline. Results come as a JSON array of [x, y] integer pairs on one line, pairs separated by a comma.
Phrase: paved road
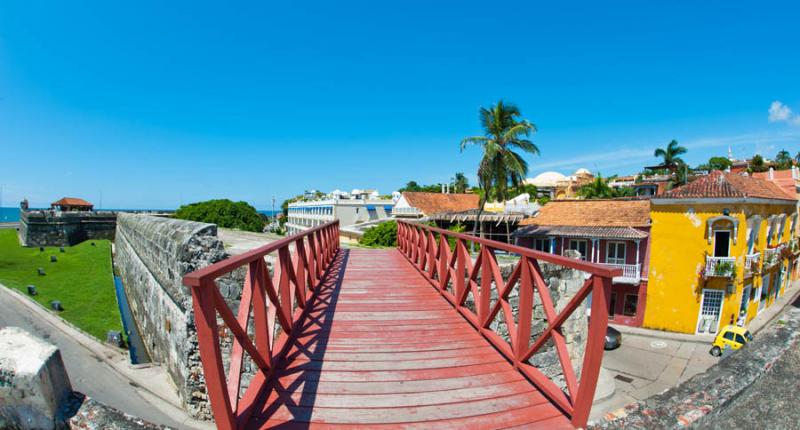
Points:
[[88, 373]]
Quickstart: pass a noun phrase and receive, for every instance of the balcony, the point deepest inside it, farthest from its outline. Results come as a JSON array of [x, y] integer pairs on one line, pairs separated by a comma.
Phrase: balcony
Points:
[[794, 246], [409, 212], [631, 273], [720, 267], [751, 263], [772, 256]]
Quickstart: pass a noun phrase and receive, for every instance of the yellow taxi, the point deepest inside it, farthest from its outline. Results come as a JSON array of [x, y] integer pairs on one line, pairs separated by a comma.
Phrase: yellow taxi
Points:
[[731, 336]]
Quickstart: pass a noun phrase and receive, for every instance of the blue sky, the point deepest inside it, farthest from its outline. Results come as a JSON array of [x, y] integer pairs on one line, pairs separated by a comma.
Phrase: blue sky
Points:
[[155, 104]]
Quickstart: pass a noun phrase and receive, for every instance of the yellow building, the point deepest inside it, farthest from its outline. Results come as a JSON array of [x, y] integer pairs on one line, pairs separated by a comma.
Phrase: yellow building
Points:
[[720, 246]]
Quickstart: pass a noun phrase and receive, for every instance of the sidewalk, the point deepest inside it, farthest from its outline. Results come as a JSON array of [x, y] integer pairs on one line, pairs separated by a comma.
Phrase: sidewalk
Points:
[[756, 324], [651, 361], [148, 380]]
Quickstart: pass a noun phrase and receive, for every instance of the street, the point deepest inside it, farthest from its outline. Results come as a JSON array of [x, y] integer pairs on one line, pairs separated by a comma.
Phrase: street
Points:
[[88, 373]]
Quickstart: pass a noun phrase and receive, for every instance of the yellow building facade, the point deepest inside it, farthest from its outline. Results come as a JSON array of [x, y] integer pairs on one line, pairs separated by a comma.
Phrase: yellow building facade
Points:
[[720, 247]]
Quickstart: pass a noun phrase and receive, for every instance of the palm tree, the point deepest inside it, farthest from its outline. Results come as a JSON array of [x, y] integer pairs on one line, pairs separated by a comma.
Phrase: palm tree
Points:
[[670, 155], [503, 134], [597, 189], [783, 160], [461, 183]]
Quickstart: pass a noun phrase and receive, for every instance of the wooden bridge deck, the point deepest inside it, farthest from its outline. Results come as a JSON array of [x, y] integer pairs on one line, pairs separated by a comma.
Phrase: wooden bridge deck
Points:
[[381, 348]]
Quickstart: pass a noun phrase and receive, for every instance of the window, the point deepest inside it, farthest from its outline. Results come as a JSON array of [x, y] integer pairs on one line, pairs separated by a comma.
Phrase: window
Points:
[[541, 244], [740, 339], [615, 253], [612, 305], [580, 246], [728, 335], [629, 307], [722, 241]]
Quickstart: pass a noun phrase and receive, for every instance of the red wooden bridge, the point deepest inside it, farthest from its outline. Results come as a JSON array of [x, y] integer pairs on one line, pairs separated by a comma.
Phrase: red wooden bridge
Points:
[[398, 338]]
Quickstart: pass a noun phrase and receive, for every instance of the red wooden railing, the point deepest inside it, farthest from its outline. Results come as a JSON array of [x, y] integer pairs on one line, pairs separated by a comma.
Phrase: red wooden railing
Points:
[[454, 273], [280, 298]]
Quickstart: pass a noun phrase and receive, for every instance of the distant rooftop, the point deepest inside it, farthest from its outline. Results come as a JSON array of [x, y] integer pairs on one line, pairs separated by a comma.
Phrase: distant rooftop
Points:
[[718, 184]]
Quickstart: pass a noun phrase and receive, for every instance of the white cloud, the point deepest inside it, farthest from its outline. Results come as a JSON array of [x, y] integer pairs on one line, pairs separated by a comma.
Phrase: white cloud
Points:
[[779, 112], [641, 154]]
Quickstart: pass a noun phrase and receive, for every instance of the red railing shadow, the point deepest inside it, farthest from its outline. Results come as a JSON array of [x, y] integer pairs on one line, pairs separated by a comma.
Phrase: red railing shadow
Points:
[[280, 300], [454, 273]]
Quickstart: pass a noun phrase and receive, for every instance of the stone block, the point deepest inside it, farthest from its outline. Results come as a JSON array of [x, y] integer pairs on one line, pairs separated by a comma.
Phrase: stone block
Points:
[[34, 386]]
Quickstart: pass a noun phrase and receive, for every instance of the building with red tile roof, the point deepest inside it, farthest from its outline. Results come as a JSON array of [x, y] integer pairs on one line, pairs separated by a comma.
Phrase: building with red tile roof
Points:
[[69, 204], [614, 232]]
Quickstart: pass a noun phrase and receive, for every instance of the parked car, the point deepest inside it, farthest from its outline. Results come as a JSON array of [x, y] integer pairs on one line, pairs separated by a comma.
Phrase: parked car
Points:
[[613, 338], [731, 336]]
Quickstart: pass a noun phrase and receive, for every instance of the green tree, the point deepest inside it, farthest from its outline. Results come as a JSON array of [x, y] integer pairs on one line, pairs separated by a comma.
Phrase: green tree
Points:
[[224, 213], [757, 164], [783, 160], [718, 163], [461, 183], [670, 155], [382, 235], [599, 189], [504, 134]]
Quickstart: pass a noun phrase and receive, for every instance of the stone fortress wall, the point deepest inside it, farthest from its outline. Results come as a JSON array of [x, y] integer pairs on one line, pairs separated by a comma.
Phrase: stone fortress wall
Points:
[[55, 228], [152, 256]]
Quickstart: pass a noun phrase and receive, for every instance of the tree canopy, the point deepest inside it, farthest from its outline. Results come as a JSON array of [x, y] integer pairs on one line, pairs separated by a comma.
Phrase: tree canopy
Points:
[[383, 234], [224, 213], [670, 155], [501, 166]]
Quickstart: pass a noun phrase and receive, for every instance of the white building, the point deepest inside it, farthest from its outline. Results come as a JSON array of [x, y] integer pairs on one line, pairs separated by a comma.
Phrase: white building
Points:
[[356, 207]]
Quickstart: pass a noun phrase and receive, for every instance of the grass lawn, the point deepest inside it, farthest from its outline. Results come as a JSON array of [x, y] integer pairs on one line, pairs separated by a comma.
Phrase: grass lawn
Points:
[[81, 279]]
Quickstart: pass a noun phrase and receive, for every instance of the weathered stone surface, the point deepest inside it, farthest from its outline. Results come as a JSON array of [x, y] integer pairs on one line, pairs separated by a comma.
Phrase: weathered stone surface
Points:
[[152, 256], [51, 228], [563, 283], [706, 400], [34, 385], [94, 415]]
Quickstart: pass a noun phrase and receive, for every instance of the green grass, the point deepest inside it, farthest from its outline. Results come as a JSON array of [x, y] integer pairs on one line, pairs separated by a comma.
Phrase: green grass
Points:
[[81, 279]]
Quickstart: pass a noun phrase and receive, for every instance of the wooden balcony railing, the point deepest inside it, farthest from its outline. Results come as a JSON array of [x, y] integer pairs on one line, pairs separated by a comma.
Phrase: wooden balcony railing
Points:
[[276, 300], [454, 273]]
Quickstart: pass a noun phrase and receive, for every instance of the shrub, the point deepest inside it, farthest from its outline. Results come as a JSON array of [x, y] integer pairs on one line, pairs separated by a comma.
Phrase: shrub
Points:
[[224, 213], [384, 234]]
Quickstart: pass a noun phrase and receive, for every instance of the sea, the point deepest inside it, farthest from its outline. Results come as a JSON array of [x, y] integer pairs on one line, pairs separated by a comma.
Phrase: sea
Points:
[[12, 214]]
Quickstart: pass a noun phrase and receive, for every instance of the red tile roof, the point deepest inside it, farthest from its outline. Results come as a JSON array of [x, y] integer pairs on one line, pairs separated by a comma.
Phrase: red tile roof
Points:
[[718, 184], [783, 178], [434, 203], [71, 201], [593, 213]]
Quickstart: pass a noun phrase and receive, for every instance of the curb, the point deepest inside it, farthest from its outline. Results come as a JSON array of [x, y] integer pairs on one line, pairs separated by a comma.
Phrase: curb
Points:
[[103, 351], [707, 394]]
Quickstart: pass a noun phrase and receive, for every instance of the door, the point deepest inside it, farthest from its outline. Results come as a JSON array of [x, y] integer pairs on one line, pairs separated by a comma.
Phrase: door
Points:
[[710, 309], [778, 281], [745, 299], [722, 243], [579, 245], [615, 253], [764, 291]]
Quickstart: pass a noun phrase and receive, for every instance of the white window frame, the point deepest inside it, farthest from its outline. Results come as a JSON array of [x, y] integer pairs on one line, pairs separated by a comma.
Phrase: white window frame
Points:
[[617, 258], [586, 246], [700, 311]]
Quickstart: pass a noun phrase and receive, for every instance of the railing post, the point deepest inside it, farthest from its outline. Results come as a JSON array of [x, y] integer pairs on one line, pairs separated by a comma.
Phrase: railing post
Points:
[[211, 356], [526, 288], [486, 286], [593, 356]]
